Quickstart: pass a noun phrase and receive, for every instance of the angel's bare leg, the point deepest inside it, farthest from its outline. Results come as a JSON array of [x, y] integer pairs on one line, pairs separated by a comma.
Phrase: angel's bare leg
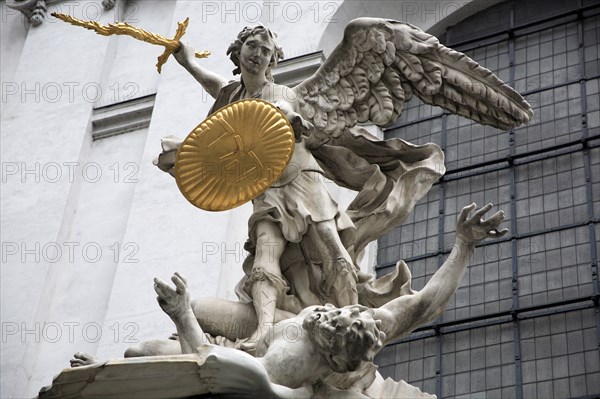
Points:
[[266, 277], [340, 276]]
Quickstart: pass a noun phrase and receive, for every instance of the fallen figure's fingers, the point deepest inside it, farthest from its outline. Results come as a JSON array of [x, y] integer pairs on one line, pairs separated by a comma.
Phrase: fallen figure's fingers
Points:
[[478, 215], [179, 283], [495, 220], [162, 288]]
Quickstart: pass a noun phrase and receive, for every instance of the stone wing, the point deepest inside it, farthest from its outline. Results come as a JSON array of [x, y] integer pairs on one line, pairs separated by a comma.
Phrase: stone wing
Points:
[[381, 63]]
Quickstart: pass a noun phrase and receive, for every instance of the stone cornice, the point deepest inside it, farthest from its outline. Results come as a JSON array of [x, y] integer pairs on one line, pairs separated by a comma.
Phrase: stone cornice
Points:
[[292, 71], [122, 117]]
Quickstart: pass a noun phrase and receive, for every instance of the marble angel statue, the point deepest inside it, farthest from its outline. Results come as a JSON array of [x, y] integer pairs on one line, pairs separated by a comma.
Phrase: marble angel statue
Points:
[[316, 246], [326, 319]]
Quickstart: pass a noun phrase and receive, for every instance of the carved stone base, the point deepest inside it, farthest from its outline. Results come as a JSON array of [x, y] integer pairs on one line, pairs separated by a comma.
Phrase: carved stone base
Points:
[[156, 377], [183, 376]]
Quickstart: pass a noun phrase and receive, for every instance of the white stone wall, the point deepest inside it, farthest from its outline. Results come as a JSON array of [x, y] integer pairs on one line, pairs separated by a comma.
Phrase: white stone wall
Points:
[[54, 304]]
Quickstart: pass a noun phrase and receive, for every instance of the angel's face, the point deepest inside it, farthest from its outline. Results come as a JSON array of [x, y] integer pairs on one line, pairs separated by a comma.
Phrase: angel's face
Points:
[[256, 54]]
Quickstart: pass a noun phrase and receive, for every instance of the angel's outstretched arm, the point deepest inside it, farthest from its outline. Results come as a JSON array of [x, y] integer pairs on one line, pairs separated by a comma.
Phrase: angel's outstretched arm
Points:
[[402, 315], [212, 82], [176, 303]]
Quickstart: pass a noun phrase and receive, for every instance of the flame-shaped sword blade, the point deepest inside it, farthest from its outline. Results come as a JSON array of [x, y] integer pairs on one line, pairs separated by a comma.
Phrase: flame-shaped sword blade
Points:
[[123, 28]]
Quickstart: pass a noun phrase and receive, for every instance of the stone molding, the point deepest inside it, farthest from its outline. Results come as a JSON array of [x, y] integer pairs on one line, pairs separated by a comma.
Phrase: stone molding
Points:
[[122, 117]]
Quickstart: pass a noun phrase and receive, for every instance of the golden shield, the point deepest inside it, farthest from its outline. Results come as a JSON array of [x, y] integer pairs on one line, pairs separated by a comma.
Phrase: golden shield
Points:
[[234, 155]]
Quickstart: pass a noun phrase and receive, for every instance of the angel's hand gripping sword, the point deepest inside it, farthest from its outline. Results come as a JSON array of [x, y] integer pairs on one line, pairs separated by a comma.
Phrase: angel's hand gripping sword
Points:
[[122, 28]]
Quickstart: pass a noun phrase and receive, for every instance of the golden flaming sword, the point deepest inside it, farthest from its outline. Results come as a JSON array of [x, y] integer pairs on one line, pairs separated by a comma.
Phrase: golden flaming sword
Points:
[[123, 28]]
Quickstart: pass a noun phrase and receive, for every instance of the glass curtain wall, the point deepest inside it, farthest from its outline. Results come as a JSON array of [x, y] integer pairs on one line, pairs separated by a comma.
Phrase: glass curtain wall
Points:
[[525, 321]]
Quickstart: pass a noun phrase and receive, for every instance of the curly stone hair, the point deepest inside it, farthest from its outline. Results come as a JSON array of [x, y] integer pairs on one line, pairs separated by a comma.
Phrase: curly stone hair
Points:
[[349, 348], [358, 346], [235, 48]]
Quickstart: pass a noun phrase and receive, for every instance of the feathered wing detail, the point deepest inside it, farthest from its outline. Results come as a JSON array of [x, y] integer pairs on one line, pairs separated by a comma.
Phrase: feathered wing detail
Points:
[[378, 66]]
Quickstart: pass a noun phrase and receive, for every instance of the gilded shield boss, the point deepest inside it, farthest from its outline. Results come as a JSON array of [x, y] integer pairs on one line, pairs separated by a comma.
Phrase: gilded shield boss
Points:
[[234, 155]]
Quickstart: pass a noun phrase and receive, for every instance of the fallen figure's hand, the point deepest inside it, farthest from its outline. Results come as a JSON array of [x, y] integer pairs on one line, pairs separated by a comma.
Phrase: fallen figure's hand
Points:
[[175, 302], [473, 229]]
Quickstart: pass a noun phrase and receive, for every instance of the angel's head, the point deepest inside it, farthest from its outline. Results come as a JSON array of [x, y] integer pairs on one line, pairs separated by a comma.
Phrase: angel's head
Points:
[[259, 46], [345, 336]]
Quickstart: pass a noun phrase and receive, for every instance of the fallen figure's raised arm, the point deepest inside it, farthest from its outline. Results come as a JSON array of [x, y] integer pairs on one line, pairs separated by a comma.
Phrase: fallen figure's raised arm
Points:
[[176, 303], [402, 315]]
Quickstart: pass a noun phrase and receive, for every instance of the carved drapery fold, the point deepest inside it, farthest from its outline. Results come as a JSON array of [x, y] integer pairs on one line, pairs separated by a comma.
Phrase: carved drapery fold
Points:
[[35, 10]]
